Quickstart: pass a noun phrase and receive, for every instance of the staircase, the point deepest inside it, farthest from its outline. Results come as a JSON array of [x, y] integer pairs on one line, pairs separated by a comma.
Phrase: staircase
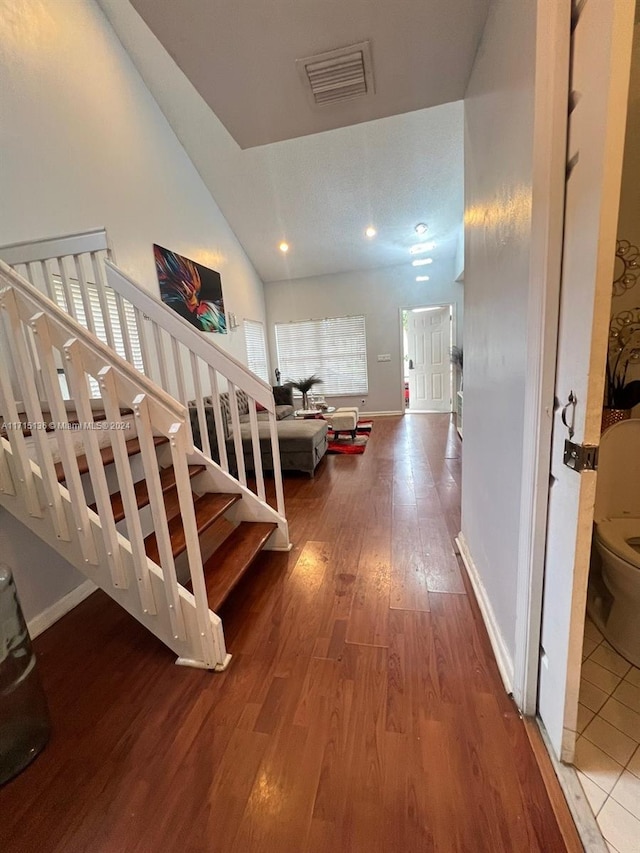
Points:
[[97, 456]]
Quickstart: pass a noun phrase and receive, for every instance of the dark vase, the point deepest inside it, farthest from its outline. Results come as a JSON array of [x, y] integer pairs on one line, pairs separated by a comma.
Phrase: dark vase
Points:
[[24, 717], [305, 400]]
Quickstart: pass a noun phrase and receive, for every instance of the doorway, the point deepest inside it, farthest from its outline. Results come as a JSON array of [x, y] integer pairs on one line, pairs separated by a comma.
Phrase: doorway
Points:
[[427, 338]]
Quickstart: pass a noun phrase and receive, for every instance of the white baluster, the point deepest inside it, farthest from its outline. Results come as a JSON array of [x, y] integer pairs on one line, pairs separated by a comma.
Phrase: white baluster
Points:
[[66, 289], [72, 477], [159, 514], [79, 392], [107, 382], [202, 415], [48, 281], [144, 346], [84, 293], [237, 437], [257, 453], [101, 285], [124, 328], [179, 450], [277, 470], [160, 356], [25, 371], [177, 363], [217, 417], [6, 480]]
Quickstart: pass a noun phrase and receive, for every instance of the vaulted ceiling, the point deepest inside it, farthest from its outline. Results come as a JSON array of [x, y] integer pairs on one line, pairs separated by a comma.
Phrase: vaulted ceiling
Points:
[[390, 160], [241, 57]]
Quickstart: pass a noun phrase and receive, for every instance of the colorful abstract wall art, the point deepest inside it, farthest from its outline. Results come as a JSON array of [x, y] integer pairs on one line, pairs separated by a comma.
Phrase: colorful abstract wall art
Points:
[[193, 291]]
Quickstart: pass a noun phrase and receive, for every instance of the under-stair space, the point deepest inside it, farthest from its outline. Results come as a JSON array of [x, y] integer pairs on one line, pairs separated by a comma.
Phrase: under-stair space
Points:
[[97, 455]]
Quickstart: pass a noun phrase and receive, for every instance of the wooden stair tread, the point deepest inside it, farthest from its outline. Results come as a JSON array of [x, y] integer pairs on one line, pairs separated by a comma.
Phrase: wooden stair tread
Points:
[[72, 418], [133, 448], [167, 482], [208, 508], [227, 565]]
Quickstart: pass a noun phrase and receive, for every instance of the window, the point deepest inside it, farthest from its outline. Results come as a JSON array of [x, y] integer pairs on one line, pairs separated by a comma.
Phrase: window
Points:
[[98, 319], [96, 310], [335, 349], [256, 349]]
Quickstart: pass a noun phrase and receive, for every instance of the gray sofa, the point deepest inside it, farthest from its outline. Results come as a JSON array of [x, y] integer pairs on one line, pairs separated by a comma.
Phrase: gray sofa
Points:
[[302, 443]]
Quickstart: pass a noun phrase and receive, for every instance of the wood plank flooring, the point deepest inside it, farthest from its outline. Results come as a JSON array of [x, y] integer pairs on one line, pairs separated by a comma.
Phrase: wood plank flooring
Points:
[[362, 712]]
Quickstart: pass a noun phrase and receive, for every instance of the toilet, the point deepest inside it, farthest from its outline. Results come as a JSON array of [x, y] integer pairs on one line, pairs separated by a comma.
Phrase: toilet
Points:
[[613, 601]]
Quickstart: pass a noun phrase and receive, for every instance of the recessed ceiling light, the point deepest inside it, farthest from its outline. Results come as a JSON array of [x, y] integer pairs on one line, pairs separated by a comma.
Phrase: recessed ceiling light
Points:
[[422, 278], [284, 247], [421, 228], [371, 231], [422, 262], [421, 247]]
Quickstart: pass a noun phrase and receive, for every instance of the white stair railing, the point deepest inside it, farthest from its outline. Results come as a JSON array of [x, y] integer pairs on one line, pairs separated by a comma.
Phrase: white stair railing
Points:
[[79, 270], [198, 370], [148, 590]]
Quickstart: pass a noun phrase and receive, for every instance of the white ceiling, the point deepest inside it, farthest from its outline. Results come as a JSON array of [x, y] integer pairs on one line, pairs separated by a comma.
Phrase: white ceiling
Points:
[[241, 57], [317, 192]]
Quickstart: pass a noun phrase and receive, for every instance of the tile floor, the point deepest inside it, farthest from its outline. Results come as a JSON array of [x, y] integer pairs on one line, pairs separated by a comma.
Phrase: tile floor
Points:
[[608, 747]]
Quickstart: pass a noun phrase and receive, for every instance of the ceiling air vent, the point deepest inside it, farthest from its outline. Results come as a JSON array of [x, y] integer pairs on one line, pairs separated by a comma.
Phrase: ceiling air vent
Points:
[[338, 75]]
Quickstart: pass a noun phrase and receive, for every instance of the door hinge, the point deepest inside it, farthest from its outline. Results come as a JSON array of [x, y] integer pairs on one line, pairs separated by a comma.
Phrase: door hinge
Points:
[[580, 457]]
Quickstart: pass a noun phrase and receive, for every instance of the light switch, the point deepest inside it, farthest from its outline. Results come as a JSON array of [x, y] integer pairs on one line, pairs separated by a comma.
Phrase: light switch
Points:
[[384, 357]]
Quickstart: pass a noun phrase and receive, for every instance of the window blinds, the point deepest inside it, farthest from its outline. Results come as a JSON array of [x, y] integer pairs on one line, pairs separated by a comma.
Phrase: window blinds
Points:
[[256, 349], [335, 349], [98, 319]]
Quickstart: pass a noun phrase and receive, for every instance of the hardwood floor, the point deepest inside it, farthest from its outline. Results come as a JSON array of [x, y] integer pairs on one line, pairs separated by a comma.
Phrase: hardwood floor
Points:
[[362, 712]]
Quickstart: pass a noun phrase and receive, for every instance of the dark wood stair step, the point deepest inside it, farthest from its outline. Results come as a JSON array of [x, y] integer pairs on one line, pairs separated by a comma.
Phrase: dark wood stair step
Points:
[[133, 448], [167, 482], [227, 565], [208, 508]]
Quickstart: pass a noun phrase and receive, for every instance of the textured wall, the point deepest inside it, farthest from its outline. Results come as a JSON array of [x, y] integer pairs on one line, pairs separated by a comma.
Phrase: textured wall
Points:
[[498, 178], [378, 295], [85, 145]]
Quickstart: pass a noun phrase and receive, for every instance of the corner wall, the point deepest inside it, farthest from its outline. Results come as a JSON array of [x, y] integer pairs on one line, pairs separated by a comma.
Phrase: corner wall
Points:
[[378, 295], [499, 114], [84, 145]]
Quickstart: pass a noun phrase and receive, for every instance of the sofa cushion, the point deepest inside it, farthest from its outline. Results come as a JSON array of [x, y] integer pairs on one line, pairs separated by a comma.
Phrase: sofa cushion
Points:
[[225, 404]]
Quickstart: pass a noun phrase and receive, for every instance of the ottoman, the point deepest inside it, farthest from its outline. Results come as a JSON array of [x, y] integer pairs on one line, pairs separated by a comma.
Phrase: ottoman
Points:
[[344, 420], [303, 443]]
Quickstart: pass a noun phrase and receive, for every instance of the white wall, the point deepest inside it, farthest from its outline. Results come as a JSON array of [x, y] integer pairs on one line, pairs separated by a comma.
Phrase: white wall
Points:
[[499, 108], [378, 295], [85, 145]]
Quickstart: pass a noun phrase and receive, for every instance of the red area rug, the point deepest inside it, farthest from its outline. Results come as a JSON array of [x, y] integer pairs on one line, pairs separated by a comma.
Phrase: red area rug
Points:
[[347, 445]]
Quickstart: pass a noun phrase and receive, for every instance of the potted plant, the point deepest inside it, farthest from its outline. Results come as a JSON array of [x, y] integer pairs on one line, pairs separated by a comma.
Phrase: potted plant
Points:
[[622, 391], [457, 359], [304, 386]]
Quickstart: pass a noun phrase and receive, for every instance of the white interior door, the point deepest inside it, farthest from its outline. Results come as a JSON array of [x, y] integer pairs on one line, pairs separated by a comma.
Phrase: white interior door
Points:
[[599, 80], [428, 342]]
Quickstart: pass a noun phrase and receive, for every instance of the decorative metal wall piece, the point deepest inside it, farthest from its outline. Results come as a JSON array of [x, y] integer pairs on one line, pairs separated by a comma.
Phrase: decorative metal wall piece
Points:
[[629, 256]]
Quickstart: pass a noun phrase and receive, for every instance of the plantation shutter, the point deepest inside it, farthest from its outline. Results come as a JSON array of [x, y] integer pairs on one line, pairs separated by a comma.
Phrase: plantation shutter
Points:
[[256, 349], [335, 349], [96, 310], [98, 319]]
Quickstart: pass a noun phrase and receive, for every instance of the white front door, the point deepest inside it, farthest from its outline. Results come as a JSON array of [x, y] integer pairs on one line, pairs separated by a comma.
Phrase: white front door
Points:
[[428, 344], [599, 80]]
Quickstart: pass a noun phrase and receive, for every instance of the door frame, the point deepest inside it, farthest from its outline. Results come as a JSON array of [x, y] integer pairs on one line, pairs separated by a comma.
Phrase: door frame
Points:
[[553, 58], [551, 99], [454, 329]]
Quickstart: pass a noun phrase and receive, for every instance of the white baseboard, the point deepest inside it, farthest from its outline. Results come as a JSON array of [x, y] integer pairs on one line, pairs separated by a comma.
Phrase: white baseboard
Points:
[[58, 609], [500, 650], [364, 414]]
